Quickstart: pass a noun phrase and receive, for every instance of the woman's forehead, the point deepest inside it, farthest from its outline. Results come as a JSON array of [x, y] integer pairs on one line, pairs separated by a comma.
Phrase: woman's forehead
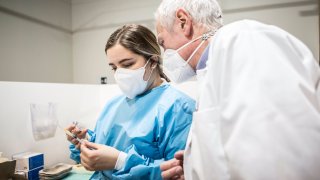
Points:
[[118, 52]]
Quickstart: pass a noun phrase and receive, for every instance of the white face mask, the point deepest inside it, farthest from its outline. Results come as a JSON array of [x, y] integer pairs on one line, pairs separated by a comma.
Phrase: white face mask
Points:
[[131, 81], [175, 67]]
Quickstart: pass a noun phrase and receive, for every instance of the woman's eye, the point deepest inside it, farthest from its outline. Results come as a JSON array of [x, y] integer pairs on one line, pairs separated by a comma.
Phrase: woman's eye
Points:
[[127, 65], [113, 68]]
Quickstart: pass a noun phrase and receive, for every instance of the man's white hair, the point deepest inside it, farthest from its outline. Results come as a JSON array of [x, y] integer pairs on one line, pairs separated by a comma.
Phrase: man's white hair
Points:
[[204, 12]]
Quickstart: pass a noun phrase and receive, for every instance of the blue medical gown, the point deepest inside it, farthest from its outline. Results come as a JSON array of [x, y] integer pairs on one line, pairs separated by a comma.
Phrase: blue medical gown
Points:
[[149, 128]]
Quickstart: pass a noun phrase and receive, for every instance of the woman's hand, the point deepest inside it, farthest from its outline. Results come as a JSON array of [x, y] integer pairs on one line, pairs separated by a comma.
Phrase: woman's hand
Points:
[[80, 133], [97, 157]]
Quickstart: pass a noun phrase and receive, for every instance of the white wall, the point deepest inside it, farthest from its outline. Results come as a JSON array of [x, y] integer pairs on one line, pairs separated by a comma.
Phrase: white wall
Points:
[[82, 103], [74, 52], [89, 59], [35, 41], [93, 22], [291, 19]]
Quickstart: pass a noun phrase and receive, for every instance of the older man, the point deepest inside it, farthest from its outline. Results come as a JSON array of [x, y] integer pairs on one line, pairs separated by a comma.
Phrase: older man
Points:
[[258, 114]]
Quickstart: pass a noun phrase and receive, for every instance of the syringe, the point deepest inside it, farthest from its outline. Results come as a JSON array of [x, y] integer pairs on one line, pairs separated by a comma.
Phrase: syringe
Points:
[[73, 135], [70, 134]]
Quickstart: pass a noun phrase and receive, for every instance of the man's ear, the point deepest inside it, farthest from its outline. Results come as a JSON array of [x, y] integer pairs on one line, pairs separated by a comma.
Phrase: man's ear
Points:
[[185, 22]]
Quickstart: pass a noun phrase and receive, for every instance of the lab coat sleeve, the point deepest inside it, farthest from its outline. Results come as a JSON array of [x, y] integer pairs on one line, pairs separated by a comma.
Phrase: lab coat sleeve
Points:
[[173, 132], [75, 153], [261, 86]]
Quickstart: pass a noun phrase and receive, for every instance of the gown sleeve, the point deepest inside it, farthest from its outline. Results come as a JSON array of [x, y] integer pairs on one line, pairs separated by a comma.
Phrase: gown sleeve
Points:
[[173, 131]]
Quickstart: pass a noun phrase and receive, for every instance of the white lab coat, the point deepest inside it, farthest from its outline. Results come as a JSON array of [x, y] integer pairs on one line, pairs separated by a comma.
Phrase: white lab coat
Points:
[[258, 109]]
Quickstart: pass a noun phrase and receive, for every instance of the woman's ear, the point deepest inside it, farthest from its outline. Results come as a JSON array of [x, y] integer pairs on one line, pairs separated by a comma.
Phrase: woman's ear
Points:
[[185, 22], [154, 63]]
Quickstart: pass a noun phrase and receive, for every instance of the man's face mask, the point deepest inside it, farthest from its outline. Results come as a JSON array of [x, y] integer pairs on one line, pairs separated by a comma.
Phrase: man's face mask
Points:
[[175, 67]]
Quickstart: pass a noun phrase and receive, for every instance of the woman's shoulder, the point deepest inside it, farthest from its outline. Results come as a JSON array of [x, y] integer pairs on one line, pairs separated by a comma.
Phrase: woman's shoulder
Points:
[[171, 96], [114, 101], [176, 94]]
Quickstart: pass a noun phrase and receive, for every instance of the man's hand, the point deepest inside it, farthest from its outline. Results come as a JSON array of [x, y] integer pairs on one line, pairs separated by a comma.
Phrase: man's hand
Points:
[[97, 157], [173, 169], [179, 155]]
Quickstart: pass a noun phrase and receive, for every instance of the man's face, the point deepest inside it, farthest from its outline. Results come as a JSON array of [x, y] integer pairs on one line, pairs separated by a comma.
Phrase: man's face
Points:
[[170, 39]]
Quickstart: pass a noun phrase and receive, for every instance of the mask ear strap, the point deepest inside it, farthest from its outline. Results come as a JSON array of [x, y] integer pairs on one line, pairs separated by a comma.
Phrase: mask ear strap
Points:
[[152, 68], [146, 64], [150, 59], [204, 37], [195, 51], [189, 43]]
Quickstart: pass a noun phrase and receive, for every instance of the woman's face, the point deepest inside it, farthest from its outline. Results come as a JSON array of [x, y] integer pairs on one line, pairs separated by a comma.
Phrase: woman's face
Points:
[[120, 57]]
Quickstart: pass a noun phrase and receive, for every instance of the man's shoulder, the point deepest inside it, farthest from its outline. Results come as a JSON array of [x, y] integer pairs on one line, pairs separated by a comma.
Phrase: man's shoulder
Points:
[[237, 28]]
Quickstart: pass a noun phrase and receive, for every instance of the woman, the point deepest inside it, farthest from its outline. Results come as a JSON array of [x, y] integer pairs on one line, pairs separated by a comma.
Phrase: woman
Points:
[[143, 127]]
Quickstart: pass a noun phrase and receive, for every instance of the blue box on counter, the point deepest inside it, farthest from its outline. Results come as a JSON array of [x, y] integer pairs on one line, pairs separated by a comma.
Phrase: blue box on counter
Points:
[[32, 174], [28, 161]]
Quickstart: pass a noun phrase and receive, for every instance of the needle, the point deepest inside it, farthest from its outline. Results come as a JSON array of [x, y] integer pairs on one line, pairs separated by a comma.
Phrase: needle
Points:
[[72, 135]]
